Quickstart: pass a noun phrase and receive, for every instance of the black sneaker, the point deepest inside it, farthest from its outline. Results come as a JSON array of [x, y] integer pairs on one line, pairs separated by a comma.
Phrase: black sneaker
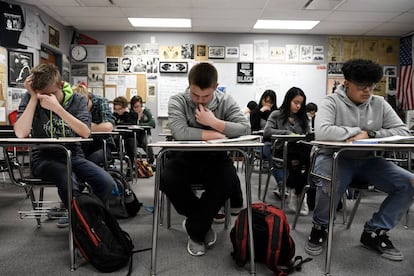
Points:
[[380, 242], [316, 239]]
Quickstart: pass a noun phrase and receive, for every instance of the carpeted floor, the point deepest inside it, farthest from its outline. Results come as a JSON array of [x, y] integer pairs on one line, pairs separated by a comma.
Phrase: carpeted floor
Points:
[[28, 250]]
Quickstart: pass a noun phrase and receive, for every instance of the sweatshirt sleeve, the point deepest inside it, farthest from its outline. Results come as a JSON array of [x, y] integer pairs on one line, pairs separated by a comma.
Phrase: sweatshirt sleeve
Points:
[[236, 123], [325, 123], [177, 119]]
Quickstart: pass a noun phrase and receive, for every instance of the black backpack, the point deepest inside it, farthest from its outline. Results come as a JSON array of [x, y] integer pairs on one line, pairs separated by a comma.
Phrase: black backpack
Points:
[[98, 236], [123, 202], [273, 244]]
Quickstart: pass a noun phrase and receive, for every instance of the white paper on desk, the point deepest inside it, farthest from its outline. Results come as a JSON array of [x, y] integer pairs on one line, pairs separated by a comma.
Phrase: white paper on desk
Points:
[[391, 139], [183, 142], [234, 140]]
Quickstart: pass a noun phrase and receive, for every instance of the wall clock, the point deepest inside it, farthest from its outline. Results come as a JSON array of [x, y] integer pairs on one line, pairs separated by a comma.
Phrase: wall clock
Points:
[[78, 53]]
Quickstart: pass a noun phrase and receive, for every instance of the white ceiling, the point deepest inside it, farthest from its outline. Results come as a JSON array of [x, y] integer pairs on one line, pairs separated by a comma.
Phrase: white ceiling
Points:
[[338, 17]]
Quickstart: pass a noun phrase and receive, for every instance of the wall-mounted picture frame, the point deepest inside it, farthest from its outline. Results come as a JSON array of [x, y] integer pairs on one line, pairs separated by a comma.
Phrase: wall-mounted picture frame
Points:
[[173, 67], [20, 64], [390, 71], [245, 73], [216, 52], [112, 64], [200, 52]]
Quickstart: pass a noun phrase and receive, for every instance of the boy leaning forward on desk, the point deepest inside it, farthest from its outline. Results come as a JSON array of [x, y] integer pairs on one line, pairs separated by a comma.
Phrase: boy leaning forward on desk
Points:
[[352, 112], [50, 109], [202, 113]]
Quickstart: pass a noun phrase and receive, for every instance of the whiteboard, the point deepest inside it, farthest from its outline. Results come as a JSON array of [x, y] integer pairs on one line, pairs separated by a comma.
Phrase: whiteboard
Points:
[[311, 78]]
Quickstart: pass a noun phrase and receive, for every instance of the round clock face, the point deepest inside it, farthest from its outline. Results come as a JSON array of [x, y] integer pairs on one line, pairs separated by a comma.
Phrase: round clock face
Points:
[[78, 53]]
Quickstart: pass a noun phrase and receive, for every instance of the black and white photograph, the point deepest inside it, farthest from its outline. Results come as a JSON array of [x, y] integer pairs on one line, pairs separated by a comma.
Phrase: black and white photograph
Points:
[[20, 64], [390, 71], [112, 64], [79, 69], [306, 52], [216, 52], [232, 52], [95, 74], [187, 51], [335, 68], [201, 52], [173, 67], [245, 72], [391, 84], [13, 22], [318, 49], [126, 65], [132, 49]]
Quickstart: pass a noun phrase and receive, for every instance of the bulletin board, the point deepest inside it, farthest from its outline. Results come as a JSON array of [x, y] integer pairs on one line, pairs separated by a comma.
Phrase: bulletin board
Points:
[[127, 85], [311, 78]]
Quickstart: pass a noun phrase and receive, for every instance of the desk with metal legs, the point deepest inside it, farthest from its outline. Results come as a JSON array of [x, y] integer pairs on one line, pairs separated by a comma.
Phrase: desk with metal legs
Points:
[[338, 149], [58, 143], [286, 140], [245, 148]]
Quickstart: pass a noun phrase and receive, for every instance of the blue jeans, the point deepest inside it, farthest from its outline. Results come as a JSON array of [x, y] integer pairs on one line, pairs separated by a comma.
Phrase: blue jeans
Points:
[[384, 175], [82, 170], [267, 155]]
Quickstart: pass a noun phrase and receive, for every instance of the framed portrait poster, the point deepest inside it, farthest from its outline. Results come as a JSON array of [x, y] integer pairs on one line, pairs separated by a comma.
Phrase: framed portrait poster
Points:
[[20, 64], [245, 72], [173, 67], [216, 52]]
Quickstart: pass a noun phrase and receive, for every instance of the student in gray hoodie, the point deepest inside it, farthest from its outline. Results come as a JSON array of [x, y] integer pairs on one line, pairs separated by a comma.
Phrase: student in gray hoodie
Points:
[[202, 113], [352, 113]]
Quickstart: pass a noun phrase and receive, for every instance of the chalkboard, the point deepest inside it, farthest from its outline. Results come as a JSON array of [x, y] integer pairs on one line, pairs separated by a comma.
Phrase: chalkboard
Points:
[[311, 78]]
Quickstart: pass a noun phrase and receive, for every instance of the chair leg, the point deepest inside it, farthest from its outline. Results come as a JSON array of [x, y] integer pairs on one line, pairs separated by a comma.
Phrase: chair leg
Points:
[[352, 215], [168, 213], [267, 184], [30, 194], [407, 218], [227, 213], [162, 200], [260, 178], [300, 202]]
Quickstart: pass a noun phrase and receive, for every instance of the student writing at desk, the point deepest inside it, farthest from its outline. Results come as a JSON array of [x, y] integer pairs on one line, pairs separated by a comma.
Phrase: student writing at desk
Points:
[[291, 119], [202, 113], [352, 113], [50, 109], [125, 117], [143, 117]]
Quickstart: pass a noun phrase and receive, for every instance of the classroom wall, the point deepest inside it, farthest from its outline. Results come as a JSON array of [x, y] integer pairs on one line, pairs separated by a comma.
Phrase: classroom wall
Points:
[[268, 74], [11, 93]]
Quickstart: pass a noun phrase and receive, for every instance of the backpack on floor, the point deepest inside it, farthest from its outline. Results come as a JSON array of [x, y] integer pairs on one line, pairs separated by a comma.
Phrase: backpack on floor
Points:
[[98, 236], [123, 203], [144, 170], [273, 244]]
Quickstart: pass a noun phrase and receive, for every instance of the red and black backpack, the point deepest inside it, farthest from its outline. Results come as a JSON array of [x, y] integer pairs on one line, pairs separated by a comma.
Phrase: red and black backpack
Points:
[[273, 244]]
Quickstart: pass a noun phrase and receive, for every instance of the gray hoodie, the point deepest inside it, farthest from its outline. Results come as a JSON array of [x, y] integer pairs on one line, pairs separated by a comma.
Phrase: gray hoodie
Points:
[[339, 118], [183, 125]]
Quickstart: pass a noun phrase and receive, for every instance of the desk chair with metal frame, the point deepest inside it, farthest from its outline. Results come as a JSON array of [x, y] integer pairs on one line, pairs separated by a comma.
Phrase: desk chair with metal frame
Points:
[[18, 178], [159, 206]]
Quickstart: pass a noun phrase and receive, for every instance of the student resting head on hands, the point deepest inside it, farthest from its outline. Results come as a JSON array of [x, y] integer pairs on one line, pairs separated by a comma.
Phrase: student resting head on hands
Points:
[[202, 113]]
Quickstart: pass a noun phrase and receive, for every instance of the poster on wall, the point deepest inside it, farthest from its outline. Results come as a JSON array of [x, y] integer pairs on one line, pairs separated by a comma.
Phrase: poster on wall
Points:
[[53, 37], [245, 72], [20, 64]]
